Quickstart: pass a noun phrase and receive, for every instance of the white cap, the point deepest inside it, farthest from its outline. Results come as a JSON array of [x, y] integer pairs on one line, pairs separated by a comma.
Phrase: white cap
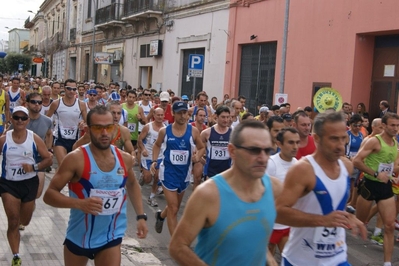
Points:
[[263, 109], [20, 109], [164, 96]]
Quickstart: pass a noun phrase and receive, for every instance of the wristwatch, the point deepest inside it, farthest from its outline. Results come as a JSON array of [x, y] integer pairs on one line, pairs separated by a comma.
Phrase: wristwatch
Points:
[[35, 167], [375, 174], [141, 216]]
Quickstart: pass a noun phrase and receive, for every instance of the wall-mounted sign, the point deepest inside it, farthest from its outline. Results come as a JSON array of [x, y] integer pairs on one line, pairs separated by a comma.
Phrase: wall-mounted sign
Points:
[[156, 48], [38, 60], [389, 70], [104, 58]]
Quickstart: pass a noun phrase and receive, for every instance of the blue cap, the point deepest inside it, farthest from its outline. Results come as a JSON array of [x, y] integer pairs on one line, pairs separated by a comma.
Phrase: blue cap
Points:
[[92, 91], [179, 106], [185, 98]]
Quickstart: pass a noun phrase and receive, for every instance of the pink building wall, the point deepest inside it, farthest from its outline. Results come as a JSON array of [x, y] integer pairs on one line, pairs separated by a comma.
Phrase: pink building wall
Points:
[[328, 41]]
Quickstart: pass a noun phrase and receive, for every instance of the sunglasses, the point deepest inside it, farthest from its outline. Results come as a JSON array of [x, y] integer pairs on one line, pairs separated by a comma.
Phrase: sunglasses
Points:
[[255, 150], [71, 88], [22, 118], [36, 102], [145, 94], [92, 94], [99, 128]]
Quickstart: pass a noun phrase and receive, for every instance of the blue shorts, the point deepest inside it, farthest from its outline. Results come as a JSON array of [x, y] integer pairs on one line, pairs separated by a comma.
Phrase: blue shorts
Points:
[[146, 164], [90, 252], [175, 185], [66, 143]]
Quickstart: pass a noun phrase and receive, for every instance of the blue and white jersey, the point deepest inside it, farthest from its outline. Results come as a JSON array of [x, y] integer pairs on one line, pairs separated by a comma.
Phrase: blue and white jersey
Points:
[[320, 246], [123, 119], [354, 143], [14, 155], [92, 231], [15, 98], [177, 154]]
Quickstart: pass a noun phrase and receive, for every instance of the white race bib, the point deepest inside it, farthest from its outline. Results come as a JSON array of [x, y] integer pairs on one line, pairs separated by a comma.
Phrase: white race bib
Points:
[[131, 127], [178, 157], [327, 235], [16, 172], [112, 199], [386, 167], [68, 132], [220, 153]]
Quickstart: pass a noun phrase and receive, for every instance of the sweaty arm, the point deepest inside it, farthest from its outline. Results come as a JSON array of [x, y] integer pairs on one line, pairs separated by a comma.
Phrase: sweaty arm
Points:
[[142, 119], [49, 139], [195, 218], [372, 145], [53, 107], [295, 188], [134, 192], [140, 139], [70, 170], [199, 145]]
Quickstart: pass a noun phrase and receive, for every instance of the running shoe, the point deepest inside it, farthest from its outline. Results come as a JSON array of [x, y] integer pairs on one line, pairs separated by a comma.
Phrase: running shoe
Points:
[[21, 227], [378, 239], [160, 190], [159, 222], [152, 202], [16, 261]]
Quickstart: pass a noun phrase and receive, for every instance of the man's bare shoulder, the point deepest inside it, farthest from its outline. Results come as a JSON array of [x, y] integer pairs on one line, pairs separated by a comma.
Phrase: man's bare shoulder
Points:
[[206, 192], [126, 157]]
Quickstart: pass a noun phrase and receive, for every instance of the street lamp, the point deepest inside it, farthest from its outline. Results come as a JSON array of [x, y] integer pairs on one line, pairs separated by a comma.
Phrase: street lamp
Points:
[[45, 45], [19, 39]]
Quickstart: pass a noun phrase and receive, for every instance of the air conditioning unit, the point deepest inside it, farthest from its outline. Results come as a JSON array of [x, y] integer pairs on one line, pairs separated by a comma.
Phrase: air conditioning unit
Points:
[[118, 54]]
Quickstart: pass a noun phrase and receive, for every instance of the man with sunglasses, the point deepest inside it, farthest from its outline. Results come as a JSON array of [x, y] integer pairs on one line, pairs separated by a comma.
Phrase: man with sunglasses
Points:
[[314, 197], [91, 101], [120, 136], [68, 113], [19, 181], [239, 213], [40, 125], [100, 178]]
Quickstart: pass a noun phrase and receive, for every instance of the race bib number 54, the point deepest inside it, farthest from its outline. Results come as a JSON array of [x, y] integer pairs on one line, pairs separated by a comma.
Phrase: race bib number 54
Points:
[[112, 199]]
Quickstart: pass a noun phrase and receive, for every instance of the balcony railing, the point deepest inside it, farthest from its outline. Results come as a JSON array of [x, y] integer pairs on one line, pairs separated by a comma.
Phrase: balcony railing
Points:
[[72, 34], [109, 13], [138, 6]]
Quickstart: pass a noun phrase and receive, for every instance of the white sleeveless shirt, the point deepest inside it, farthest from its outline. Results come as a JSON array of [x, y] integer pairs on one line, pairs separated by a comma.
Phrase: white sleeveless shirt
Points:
[[67, 119], [320, 245], [14, 155]]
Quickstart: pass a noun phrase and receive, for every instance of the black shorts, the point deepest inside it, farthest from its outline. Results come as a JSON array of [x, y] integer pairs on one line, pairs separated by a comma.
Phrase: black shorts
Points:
[[374, 190], [134, 143], [90, 252], [25, 190], [66, 143]]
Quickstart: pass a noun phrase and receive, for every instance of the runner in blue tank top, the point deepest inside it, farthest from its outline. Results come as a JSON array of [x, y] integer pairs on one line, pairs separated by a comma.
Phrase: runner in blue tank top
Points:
[[182, 146], [216, 139], [235, 226], [315, 204], [100, 177]]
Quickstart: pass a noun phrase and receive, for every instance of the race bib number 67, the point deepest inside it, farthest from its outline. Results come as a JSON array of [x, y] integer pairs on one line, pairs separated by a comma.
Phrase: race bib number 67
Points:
[[112, 199]]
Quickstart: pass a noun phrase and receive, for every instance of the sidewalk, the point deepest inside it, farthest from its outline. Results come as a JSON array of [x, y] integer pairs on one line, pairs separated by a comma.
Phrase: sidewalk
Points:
[[41, 241]]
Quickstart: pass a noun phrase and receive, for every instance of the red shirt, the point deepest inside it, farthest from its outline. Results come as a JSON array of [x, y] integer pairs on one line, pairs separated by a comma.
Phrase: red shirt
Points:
[[194, 125], [168, 118], [308, 149]]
